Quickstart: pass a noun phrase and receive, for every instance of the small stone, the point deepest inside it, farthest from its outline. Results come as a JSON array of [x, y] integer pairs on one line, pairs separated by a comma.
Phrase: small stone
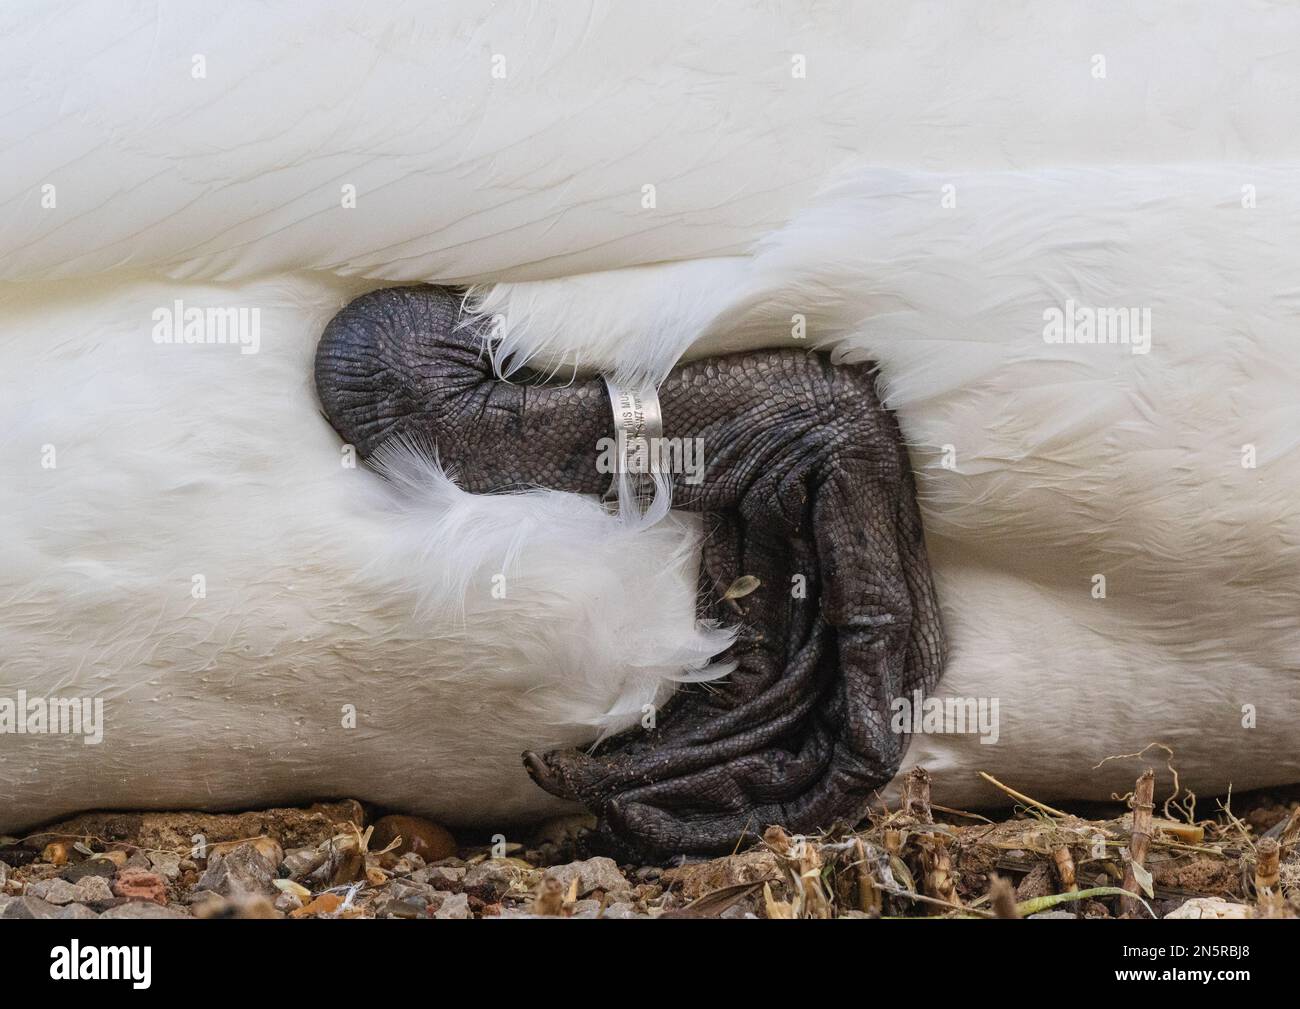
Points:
[[454, 906], [420, 836], [598, 873], [287, 902], [585, 909], [241, 870], [94, 890], [1054, 914], [143, 909], [90, 867], [440, 877], [1209, 907], [166, 864], [402, 899], [491, 880], [407, 864], [77, 912], [27, 906], [648, 873], [268, 847], [89, 890], [137, 884], [56, 891]]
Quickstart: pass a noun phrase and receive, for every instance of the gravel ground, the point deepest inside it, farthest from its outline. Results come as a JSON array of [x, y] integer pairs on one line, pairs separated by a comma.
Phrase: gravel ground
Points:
[[334, 860]]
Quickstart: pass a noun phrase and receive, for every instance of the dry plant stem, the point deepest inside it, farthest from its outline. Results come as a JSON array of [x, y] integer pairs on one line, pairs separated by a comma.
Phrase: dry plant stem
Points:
[[1291, 832], [550, 898], [869, 899], [936, 864], [1020, 796], [916, 795], [939, 878], [1065, 869], [1268, 889], [1140, 838]]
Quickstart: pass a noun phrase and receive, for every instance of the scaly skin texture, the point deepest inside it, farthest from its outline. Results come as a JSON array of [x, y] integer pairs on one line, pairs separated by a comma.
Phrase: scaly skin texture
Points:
[[807, 487]]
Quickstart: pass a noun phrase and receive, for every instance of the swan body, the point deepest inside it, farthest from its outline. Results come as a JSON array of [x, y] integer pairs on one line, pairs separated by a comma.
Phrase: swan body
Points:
[[266, 623]]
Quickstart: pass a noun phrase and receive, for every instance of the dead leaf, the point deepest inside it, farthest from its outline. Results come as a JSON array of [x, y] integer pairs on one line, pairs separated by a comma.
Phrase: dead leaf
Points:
[[713, 903], [326, 903], [777, 909], [1143, 876]]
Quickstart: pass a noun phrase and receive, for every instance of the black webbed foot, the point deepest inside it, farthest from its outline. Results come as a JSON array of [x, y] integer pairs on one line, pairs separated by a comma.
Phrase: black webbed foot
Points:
[[807, 488]]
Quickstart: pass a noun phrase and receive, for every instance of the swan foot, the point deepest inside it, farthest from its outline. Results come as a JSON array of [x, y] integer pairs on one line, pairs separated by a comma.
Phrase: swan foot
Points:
[[807, 490]]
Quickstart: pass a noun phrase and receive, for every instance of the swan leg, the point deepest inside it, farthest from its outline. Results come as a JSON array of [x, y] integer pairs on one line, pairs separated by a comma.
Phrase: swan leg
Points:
[[809, 505]]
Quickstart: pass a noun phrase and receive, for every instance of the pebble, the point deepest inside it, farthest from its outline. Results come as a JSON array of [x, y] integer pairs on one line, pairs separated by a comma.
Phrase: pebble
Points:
[[402, 899], [165, 863], [88, 890], [139, 884], [1209, 907], [440, 877], [90, 867], [591, 909], [268, 847], [454, 906], [407, 864], [598, 873], [77, 912], [28, 906], [287, 902], [419, 836], [241, 870], [143, 909], [1054, 914], [489, 881]]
